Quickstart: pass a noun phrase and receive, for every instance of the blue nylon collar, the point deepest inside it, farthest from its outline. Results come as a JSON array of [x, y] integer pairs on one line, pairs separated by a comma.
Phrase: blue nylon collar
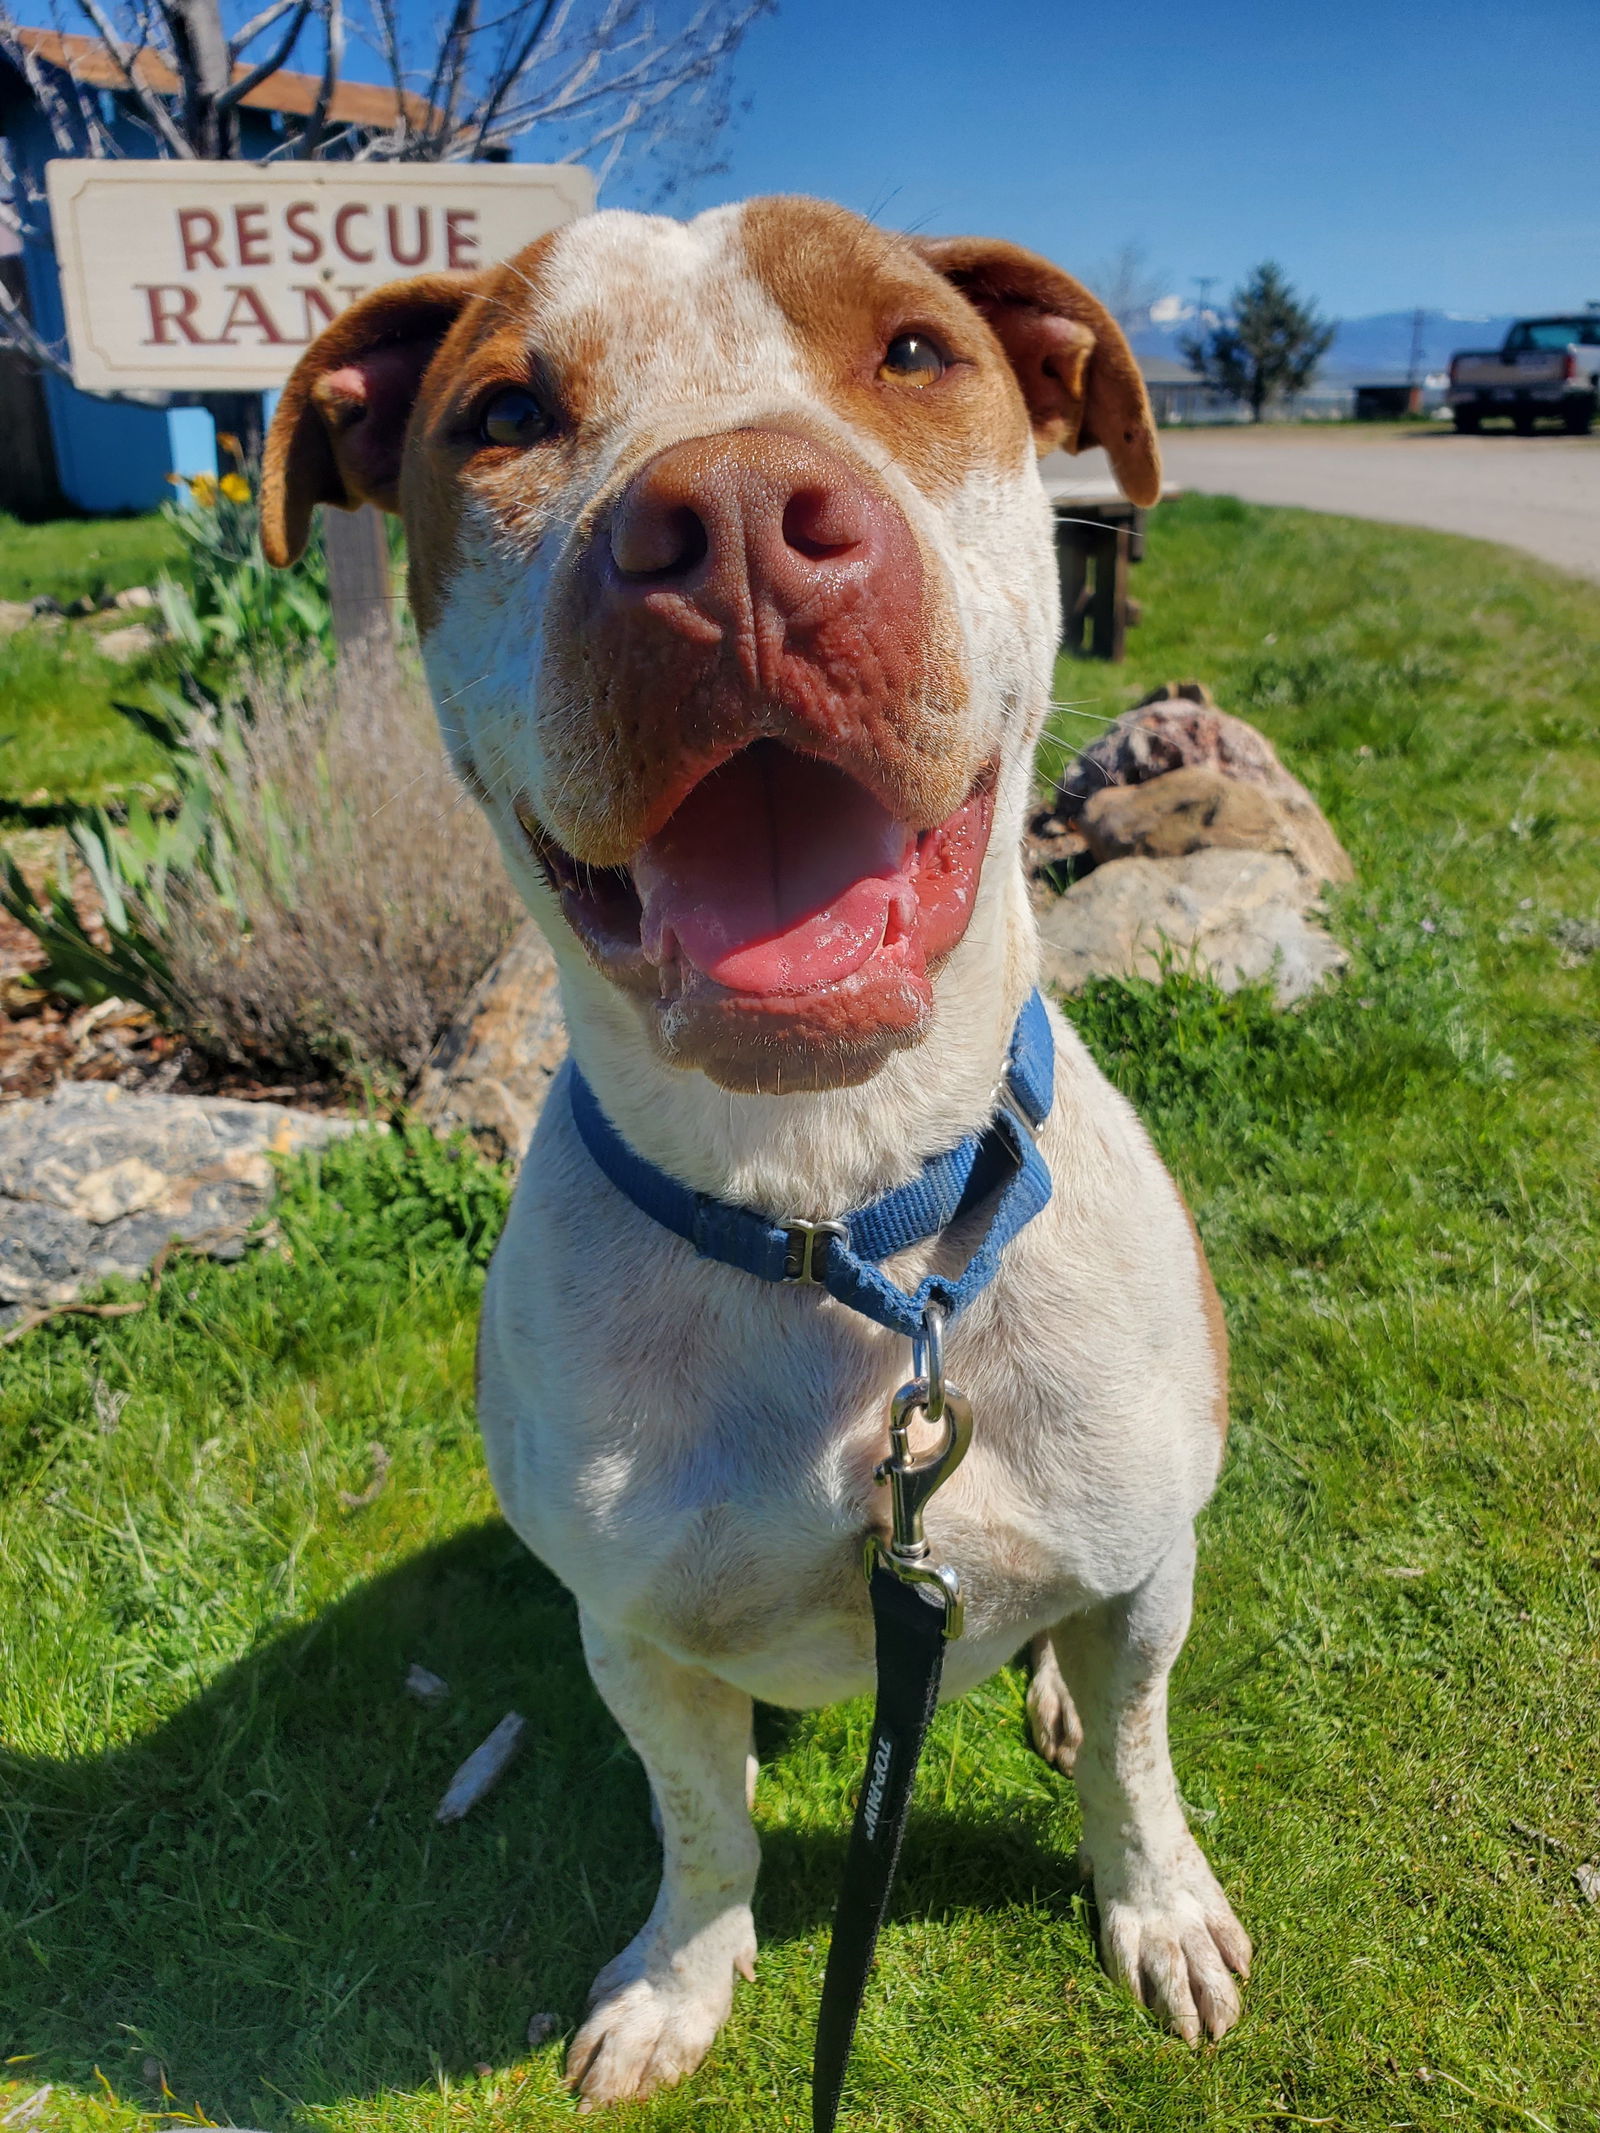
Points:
[[845, 1257]]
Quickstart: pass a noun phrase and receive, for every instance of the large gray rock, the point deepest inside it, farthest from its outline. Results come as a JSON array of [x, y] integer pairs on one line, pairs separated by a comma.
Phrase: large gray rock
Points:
[[94, 1180], [490, 1071], [1233, 916]]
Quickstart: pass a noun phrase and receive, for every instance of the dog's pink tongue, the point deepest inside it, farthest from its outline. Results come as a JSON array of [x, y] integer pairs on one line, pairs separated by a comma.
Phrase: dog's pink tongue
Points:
[[777, 874]]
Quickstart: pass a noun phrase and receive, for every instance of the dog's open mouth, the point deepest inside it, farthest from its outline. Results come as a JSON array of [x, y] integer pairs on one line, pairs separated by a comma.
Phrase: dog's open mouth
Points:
[[782, 911]]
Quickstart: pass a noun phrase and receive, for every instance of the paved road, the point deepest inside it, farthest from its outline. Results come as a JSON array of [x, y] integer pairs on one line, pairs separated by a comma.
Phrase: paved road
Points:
[[1538, 493]]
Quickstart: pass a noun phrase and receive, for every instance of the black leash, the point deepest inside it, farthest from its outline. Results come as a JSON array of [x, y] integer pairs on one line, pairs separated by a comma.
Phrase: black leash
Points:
[[916, 1611], [910, 1640]]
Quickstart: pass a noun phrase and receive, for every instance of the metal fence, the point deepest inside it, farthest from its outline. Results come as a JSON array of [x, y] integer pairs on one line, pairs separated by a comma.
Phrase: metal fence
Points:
[[1176, 405]]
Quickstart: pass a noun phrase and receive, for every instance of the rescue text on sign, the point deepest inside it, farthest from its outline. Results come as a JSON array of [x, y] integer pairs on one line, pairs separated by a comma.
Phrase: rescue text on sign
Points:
[[195, 275]]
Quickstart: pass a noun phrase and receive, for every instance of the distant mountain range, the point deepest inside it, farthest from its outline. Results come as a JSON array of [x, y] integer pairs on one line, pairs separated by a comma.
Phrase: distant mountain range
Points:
[[1370, 351]]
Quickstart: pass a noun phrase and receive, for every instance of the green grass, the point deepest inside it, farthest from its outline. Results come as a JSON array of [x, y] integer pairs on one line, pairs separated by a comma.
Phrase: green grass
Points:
[[68, 557], [215, 1811], [60, 740]]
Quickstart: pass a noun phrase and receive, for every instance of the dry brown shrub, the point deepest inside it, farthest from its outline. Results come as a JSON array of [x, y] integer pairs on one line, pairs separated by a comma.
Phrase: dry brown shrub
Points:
[[367, 894]]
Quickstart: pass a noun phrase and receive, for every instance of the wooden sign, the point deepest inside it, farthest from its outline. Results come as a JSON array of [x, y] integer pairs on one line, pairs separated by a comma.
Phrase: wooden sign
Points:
[[215, 276]]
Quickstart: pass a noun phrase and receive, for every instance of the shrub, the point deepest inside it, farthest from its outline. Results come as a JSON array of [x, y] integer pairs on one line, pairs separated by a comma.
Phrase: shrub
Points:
[[353, 894], [309, 891]]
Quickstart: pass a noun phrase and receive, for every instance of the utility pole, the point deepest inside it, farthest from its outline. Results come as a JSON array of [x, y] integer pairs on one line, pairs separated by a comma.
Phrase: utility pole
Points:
[[1204, 283], [1419, 319]]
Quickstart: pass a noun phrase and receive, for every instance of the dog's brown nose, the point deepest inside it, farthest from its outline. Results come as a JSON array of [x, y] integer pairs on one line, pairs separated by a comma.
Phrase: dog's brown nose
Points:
[[752, 524]]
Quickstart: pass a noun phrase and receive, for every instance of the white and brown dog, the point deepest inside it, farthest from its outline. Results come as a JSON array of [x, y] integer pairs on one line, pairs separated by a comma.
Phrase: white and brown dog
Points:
[[735, 583]]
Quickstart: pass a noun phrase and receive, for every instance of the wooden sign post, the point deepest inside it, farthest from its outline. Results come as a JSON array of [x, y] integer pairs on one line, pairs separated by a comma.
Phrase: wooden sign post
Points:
[[357, 547]]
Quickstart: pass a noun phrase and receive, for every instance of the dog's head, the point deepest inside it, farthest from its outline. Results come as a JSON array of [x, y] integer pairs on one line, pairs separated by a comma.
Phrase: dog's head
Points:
[[735, 587]]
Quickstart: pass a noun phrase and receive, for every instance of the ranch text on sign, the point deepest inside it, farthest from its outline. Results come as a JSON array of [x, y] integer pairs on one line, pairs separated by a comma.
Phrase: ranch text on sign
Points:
[[218, 275]]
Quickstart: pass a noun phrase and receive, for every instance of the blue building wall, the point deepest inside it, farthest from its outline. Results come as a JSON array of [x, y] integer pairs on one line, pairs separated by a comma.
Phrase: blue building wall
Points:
[[110, 456]]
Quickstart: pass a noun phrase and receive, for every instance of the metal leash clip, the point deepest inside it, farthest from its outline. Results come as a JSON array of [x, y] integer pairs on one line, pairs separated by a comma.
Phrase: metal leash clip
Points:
[[911, 1480]]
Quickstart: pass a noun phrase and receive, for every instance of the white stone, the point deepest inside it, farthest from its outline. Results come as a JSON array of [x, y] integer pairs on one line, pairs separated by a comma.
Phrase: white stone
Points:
[[132, 641], [1237, 917]]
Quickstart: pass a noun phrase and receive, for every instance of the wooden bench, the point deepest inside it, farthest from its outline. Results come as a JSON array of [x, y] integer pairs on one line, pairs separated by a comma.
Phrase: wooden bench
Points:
[[1099, 536]]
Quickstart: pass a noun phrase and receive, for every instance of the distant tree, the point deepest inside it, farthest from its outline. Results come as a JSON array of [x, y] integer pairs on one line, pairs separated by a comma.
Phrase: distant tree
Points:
[[592, 81], [1126, 285], [1269, 345]]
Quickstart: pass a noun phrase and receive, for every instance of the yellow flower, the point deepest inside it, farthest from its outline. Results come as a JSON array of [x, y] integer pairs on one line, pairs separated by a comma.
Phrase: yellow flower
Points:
[[231, 445], [203, 488], [235, 488]]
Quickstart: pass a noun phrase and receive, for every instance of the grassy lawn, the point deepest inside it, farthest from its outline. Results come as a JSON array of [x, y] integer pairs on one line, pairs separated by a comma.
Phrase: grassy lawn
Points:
[[217, 1855], [68, 557], [59, 738]]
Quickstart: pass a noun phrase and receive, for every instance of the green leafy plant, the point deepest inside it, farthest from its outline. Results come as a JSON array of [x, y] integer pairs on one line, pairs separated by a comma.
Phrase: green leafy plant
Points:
[[130, 966], [399, 1198], [131, 863], [234, 606]]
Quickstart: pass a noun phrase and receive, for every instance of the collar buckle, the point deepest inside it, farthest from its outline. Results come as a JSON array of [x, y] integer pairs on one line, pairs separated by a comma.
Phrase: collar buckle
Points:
[[800, 1260], [1007, 1099]]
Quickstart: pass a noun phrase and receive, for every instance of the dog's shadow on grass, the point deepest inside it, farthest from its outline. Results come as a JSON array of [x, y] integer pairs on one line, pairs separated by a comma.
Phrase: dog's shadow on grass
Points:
[[255, 1904]]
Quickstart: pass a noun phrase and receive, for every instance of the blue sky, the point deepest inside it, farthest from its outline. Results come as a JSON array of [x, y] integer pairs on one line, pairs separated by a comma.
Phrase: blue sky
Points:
[[1445, 154], [1439, 155]]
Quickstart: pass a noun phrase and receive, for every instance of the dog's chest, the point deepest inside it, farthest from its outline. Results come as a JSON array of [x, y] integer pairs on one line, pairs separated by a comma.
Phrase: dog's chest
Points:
[[709, 1516], [725, 1518]]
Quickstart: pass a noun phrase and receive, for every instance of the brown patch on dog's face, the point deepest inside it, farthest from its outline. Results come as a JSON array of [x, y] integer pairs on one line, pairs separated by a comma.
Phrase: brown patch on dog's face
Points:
[[849, 292], [338, 435], [451, 470]]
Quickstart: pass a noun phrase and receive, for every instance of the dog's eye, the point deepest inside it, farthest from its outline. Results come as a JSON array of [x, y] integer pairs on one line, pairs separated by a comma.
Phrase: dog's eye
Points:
[[514, 417], [912, 359]]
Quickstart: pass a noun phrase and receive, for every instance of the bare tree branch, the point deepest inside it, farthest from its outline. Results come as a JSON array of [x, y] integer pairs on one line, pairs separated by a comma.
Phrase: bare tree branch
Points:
[[453, 47], [332, 61], [238, 90], [149, 102], [17, 331], [510, 73], [205, 70], [389, 44], [662, 71], [257, 23], [89, 135], [51, 102], [1126, 284]]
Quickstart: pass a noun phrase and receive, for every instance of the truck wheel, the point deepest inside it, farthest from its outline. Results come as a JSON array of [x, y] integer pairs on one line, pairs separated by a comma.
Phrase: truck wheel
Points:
[[1576, 421], [1522, 421], [1468, 421]]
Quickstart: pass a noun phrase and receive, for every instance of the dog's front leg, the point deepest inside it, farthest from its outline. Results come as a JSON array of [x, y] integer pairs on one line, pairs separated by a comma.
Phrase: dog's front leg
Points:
[[1166, 1929], [654, 2010]]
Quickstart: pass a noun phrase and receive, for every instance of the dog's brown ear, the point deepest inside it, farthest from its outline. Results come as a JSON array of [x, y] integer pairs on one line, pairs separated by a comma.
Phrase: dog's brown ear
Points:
[[337, 435], [1077, 372]]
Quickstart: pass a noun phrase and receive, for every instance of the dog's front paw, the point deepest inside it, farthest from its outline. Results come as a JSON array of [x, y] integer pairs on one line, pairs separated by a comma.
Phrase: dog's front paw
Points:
[[655, 2010], [1168, 1933]]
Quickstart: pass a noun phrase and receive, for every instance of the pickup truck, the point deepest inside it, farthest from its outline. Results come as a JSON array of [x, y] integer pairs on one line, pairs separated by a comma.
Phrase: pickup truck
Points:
[[1548, 366]]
